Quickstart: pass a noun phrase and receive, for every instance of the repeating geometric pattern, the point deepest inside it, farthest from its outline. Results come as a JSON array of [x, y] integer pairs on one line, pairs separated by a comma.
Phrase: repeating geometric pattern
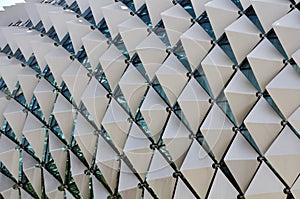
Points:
[[150, 99]]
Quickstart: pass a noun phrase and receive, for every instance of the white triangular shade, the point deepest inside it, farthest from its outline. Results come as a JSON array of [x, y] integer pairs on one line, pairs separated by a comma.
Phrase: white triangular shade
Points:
[[221, 14], [116, 124], [279, 152], [241, 160], [217, 131], [217, 68], [133, 86], [196, 43], [287, 29], [172, 77], [285, 89], [197, 169], [176, 134], [263, 123], [238, 91], [176, 21], [222, 188], [265, 184], [265, 62], [194, 103], [160, 176], [239, 31], [95, 100], [76, 79], [154, 112]]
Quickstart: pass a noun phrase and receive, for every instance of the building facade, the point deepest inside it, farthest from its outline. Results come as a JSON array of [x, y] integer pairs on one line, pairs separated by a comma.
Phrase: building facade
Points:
[[150, 99]]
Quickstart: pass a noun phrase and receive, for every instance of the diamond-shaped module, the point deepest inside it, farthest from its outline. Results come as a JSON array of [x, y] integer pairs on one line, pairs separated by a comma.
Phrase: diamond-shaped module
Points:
[[168, 99]]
